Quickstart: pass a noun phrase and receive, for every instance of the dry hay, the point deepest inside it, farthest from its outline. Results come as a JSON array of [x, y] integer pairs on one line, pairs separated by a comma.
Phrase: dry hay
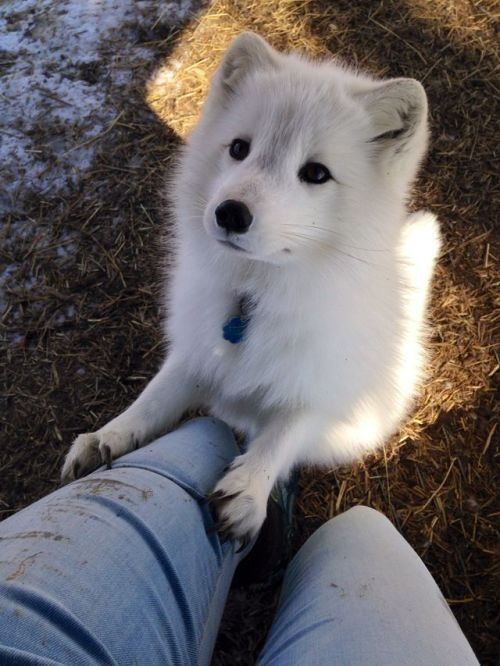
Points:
[[436, 479]]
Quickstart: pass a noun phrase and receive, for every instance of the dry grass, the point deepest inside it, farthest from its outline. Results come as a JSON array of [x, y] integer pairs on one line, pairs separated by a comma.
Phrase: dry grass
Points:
[[436, 479]]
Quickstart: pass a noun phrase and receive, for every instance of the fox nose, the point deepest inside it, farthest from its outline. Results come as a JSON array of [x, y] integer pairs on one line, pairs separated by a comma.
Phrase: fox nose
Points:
[[233, 216]]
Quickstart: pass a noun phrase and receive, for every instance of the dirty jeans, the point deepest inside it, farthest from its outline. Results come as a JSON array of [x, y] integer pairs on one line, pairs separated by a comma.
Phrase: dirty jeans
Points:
[[123, 567]]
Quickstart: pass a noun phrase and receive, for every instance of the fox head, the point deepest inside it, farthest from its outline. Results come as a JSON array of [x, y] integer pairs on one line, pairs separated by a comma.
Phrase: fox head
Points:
[[293, 157]]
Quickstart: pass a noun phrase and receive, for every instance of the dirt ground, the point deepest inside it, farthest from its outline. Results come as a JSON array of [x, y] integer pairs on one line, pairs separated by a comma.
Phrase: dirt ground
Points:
[[81, 329]]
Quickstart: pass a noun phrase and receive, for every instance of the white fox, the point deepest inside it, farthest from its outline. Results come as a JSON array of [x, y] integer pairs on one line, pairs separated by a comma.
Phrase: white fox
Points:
[[296, 305]]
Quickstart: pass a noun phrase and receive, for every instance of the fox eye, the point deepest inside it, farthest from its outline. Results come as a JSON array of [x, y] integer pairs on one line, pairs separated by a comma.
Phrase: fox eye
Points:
[[314, 173], [239, 149]]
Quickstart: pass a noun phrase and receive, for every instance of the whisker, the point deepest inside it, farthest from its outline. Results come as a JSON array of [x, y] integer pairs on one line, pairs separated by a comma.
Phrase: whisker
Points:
[[325, 244], [334, 234]]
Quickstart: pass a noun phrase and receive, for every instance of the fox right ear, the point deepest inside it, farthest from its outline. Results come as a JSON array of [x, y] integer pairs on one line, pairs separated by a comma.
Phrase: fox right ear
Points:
[[398, 111], [247, 53]]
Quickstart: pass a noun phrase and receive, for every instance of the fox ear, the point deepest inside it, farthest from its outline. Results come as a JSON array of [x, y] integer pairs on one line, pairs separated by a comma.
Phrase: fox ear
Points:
[[398, 112], [247, 53]]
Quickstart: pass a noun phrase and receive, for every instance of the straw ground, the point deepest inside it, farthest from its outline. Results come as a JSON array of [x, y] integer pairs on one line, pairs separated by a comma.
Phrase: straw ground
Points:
[[66, 374]]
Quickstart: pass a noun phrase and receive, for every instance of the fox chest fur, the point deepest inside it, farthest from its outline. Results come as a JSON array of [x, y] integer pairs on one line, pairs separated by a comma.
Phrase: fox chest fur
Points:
[[311, 339]]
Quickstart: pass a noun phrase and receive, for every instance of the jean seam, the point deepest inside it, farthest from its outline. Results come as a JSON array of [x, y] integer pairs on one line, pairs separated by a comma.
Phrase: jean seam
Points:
[[194, 492], [208, 614]]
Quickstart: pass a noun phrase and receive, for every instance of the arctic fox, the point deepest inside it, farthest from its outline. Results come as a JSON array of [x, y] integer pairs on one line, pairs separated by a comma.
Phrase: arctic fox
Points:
[[296, 306]]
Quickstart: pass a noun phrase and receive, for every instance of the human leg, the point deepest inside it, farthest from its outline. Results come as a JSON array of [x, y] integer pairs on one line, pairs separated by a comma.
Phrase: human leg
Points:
[[357, 594], [118, 567]]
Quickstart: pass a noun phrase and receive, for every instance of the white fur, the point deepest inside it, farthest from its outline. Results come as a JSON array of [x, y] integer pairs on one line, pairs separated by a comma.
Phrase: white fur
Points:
[[338, 274]]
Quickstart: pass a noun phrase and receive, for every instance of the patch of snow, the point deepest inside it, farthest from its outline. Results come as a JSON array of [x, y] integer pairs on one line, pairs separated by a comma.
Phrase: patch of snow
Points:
[[65, 68], [166, 73], [7, 272], [17, 339], [67, 246], [68, 313], [62, 60], [18, 231], [66, 250]]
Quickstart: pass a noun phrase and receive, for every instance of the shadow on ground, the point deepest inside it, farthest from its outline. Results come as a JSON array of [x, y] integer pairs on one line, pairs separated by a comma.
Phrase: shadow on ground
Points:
[[82, 344]]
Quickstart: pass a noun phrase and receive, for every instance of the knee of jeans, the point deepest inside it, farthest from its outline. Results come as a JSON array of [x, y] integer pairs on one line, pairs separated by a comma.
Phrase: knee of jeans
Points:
[[363, 517], [362, 512], [194, 456]]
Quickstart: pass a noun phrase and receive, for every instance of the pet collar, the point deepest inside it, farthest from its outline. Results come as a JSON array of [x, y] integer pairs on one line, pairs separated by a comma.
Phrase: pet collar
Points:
[[234, 329]]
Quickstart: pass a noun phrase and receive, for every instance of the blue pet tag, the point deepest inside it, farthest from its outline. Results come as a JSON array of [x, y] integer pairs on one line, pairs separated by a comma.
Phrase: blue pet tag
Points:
[[234, 329]]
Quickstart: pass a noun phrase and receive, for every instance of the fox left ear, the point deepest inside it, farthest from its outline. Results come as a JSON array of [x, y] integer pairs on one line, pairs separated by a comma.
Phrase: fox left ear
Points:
[[398, 112], [247, 53]]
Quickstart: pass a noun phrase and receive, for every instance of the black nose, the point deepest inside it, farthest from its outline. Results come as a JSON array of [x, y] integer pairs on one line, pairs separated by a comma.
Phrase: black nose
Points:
[[233, 216]]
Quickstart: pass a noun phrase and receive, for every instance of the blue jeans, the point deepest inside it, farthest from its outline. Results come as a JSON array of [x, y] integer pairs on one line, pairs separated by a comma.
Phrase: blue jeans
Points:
[[123, 567]]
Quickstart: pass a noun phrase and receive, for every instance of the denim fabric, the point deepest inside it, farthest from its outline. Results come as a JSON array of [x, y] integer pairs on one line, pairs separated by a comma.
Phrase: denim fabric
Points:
[[356, 594], [118, 568]]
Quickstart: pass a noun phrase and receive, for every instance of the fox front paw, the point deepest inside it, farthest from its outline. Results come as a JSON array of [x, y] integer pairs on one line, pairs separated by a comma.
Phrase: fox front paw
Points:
[[239, 502], [93, 449]]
